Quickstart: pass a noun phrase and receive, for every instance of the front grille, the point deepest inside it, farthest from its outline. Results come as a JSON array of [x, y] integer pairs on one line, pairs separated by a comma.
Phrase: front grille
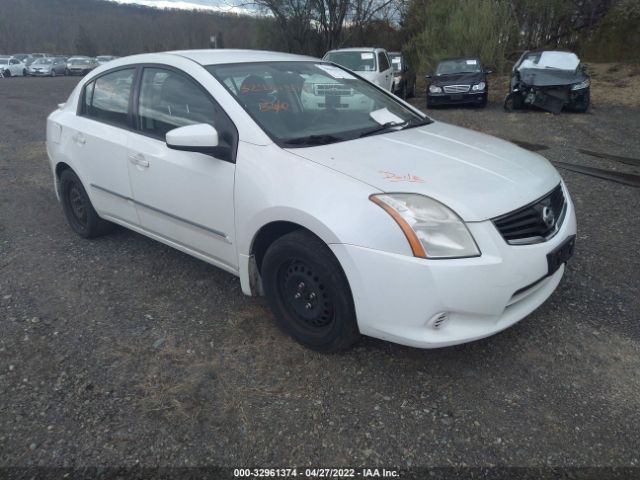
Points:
[[532, 223], [456, 88], [332, 89]]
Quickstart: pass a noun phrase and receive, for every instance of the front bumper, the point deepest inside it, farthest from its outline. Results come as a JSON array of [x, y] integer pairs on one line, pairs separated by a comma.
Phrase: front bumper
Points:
[[476, 98], [397, 297], [40, 73]]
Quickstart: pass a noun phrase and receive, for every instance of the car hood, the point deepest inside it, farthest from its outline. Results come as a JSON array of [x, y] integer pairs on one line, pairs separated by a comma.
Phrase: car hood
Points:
[[457, 79], [478, 176], [538, 77]]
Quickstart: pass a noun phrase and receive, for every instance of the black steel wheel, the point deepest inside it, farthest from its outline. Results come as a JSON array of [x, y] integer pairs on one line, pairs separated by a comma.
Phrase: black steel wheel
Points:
[[78, 209], [309, 292]]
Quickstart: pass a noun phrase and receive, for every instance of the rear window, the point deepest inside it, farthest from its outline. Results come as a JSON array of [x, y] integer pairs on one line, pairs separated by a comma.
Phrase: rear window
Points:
[[107, 98]]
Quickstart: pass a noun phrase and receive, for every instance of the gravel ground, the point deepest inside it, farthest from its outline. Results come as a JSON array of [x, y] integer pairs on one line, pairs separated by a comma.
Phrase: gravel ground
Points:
[[121, 351]]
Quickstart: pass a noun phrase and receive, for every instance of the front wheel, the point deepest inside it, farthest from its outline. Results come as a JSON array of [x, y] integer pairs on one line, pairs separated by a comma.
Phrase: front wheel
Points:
[[7, 73], [513, 101], [309, 293], [78, 209], [582, 105], [53, 73]]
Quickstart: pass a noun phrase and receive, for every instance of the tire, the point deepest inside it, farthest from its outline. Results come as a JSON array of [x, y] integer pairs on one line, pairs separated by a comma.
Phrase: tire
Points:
[[7, 73], [53, 72], [513, 102], [308, 292], [583, 106], [77, 207], [24, 72], [403, 91], [483, 103], [412, 93]]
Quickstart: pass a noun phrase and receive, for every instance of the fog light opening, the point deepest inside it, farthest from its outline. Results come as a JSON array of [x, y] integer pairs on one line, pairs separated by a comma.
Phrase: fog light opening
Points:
[[438, 321]]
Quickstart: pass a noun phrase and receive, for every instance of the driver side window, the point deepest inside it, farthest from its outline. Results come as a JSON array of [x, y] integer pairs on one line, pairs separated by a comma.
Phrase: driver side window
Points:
[[171, 100]]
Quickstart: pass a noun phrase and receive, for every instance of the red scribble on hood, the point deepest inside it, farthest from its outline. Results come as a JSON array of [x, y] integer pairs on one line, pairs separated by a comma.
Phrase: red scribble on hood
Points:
[[393, 177]]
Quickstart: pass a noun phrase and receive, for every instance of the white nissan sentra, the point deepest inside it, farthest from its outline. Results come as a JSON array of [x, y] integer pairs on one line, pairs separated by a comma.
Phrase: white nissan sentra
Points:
[[352, 211]]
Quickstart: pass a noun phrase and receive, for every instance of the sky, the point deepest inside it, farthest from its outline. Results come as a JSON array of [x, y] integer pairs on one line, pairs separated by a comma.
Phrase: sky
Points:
[[210, 5]]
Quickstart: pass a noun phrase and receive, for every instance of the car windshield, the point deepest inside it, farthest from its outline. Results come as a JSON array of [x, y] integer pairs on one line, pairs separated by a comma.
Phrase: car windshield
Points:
[[103, 59], [79, 61], [396, 61], [43, 61], [460, 65], [546, 60], [312, 103], [356, 61], [4, 61]]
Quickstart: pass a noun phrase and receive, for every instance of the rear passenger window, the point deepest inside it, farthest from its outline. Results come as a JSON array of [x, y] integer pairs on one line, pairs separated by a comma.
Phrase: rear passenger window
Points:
[[170, 100], [107, 98]]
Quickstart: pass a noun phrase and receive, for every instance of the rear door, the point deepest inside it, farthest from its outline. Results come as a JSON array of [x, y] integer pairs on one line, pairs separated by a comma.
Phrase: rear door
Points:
[[97, 143], [183, 198], [15, 67]]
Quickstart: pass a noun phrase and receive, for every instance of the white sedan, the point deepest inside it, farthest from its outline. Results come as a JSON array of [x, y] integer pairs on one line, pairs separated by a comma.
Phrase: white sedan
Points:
[[12, 67], [352, 211]]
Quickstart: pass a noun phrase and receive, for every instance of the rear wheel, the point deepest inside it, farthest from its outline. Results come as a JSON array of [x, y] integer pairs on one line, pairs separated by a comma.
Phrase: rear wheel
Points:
[[77, 207], [403, 91], [309, 293]]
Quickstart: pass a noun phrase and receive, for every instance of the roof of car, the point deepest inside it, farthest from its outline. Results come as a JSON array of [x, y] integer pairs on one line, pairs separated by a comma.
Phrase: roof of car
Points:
[[458, 58], [354, 49], [228, 55]]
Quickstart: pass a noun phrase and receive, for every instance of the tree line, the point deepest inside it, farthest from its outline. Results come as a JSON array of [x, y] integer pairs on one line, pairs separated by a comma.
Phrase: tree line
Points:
[[426, 30]]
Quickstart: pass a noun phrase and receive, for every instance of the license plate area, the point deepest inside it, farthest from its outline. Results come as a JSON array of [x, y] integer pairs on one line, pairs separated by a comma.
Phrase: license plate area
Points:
[[561, 254]]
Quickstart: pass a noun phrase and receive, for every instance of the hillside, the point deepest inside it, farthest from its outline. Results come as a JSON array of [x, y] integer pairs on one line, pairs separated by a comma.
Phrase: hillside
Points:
[[98, 27]]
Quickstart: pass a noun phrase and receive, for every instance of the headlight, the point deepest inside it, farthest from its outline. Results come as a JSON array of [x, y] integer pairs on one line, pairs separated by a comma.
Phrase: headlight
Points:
[[434, 89], [479, 87], [581, 85], [432, 229]]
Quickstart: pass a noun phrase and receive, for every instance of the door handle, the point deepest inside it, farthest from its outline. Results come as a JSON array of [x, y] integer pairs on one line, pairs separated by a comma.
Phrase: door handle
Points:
[[79, 139], [139, 160]]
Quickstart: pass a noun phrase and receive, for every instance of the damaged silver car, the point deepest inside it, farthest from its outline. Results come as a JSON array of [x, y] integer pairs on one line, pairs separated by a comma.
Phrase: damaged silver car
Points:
[[550, 80]]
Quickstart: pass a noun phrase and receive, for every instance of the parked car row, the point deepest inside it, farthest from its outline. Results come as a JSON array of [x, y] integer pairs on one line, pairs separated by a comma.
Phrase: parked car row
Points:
[[46, 65], [550, 80]]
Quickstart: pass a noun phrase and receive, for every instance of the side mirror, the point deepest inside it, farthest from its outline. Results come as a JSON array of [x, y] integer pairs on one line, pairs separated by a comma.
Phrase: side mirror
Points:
[[201, 138]]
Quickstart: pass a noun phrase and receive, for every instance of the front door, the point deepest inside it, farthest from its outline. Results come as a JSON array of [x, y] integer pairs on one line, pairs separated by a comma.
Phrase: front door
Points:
[[184, 198]]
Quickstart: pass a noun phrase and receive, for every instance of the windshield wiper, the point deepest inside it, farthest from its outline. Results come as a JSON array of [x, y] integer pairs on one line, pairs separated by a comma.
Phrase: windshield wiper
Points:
[[312, 140], [391, 125], [383, 128]]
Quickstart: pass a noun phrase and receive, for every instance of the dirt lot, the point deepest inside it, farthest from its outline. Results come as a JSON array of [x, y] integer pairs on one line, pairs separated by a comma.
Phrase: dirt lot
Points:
[[122, 351]]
